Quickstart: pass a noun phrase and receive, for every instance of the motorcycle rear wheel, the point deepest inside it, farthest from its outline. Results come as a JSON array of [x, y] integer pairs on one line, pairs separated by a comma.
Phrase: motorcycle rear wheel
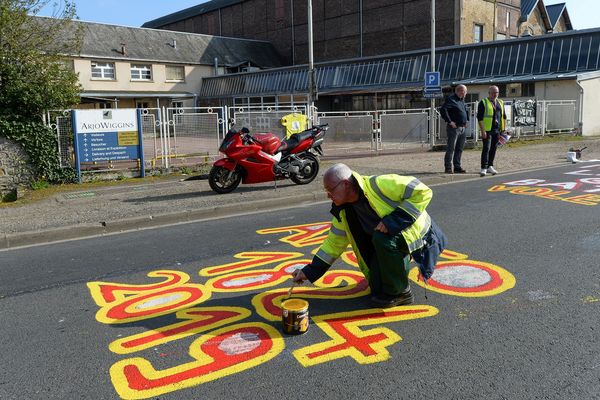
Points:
[[309, 172], [222, 180]]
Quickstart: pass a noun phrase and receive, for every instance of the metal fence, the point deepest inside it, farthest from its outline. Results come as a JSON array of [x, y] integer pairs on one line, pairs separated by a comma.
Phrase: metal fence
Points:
[[471, 130], [191, 136]]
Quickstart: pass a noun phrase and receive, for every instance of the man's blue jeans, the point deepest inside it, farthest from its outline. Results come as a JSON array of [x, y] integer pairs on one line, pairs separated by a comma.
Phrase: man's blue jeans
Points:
[[454, 149]]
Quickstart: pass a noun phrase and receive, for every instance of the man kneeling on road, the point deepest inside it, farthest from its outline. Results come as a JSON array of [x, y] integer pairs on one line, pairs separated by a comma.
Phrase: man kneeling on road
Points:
[[384, 219]]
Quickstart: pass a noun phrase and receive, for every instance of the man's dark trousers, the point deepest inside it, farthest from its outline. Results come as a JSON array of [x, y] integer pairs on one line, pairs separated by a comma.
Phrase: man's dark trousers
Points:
[[389, 266], [454, 149], [488, 152]]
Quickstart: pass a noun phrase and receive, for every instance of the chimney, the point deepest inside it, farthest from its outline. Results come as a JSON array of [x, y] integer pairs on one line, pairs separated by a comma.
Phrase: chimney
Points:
[[124, 49], [174, 43]]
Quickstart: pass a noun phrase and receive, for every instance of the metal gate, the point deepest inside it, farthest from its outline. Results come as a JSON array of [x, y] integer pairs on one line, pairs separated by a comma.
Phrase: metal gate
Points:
[[402, 129], [264, 119], [348, 132], [61, 122], [192, 135]]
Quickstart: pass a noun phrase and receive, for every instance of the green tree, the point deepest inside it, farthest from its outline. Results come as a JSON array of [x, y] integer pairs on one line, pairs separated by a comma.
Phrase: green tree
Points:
[[36, 75]]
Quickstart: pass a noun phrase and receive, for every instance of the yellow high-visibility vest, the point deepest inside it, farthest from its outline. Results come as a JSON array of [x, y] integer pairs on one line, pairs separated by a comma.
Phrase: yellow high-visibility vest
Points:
[[385, 193], [489, 114], [294, 123]]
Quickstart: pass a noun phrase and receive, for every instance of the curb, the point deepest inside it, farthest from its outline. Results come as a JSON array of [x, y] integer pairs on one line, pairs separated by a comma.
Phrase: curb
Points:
[[10, 241]]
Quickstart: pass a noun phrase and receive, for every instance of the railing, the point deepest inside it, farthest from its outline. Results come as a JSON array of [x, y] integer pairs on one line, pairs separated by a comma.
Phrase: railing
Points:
[[191, 136]]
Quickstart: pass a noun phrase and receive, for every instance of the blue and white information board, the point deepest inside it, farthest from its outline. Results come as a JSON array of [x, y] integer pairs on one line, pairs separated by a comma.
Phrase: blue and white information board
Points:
[[107, 135]]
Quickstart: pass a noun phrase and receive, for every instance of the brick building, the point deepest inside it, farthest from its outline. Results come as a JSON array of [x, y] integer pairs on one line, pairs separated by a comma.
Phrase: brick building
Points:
[[346, 29]]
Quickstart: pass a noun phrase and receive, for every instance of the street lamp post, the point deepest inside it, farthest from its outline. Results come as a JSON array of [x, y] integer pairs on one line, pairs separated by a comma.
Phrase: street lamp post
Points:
[[311, 66]]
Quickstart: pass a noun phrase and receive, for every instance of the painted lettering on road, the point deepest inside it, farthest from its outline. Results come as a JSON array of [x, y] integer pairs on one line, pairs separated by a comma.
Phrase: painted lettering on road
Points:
[[225, 340]]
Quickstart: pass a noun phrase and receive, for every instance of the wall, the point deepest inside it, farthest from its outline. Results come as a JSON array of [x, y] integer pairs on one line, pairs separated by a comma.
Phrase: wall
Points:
[[388, 26], [512, 7], [560, 26], [478, 12], [591, 99], [14, 167], [123, 82]]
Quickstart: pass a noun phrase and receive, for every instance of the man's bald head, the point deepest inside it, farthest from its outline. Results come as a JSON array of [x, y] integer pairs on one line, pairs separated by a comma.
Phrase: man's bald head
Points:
[[336, 173], [338, 184], [460, 91]]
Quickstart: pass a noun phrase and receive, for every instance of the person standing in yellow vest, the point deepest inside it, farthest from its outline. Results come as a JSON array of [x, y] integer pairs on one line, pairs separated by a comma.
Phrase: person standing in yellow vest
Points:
[[294, 123], [385, 220], [491, 117]]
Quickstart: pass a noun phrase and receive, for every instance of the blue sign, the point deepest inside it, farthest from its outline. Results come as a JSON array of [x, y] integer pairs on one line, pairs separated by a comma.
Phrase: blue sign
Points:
[[432, 79], [108, 146], [107, 135]]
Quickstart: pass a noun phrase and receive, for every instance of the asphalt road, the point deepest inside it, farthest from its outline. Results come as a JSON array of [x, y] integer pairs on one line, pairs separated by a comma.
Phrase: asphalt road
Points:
[[513, 311]]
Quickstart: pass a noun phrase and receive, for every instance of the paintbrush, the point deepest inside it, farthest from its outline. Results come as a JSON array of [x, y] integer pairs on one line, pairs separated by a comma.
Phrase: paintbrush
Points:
[[290, 290]]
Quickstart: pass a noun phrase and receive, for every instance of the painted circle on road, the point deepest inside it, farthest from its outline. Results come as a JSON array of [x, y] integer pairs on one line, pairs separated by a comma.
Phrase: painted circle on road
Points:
[[466, 278]]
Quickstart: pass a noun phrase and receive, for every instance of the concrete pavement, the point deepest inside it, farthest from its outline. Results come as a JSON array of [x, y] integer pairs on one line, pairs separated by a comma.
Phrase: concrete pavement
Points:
[[152, 203]]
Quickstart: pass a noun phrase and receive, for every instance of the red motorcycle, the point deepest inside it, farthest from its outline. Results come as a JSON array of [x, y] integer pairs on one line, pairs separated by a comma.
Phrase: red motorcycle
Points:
[[265, 157]]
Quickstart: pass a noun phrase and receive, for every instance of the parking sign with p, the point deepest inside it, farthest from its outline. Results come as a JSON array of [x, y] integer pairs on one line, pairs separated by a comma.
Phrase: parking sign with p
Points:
[[432, 79]]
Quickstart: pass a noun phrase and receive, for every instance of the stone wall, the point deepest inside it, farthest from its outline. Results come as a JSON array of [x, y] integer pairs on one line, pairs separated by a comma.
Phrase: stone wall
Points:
[[15, 169]]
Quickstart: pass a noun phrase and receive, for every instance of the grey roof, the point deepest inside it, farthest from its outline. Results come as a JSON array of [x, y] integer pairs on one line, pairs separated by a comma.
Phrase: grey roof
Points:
[[554, 13], [527, 7], [565, 55], [189, 12], [142, 44]]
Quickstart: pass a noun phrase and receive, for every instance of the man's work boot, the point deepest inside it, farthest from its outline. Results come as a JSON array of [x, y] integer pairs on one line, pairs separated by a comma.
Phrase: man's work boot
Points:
[[387, 300]]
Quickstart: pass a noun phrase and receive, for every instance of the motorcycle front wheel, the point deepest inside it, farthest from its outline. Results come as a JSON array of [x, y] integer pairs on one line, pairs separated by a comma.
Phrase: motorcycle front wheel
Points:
[[307, 173], [222, 180]]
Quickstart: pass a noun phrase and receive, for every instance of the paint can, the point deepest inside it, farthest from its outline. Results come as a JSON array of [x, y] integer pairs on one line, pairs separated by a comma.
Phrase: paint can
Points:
[[294, 316]]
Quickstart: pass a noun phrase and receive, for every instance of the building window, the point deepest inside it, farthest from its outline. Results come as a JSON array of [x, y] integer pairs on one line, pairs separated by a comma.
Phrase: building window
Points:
[[175, 73], [177, 104], [141, 72], [528, 89], [500, 36], [142, 104], [103, 70], [477, 33]]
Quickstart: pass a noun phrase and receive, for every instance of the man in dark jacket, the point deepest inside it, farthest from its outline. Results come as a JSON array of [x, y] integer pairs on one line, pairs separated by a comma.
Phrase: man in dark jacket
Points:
[[454, 112]]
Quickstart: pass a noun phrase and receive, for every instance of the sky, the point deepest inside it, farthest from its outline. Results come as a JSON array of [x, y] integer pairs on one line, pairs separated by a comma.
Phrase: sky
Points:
[[583, 13]]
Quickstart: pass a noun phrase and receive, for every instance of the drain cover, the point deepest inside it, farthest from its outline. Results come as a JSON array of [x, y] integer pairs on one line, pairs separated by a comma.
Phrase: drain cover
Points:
[[79, 195]]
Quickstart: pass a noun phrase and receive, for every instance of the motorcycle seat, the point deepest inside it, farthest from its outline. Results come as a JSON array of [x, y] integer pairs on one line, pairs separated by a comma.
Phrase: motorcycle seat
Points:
[[294, 140]]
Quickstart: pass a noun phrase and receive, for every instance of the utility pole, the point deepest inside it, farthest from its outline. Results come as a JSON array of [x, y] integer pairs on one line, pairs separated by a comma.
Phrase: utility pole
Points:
[[432, 112], [311, 66]]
